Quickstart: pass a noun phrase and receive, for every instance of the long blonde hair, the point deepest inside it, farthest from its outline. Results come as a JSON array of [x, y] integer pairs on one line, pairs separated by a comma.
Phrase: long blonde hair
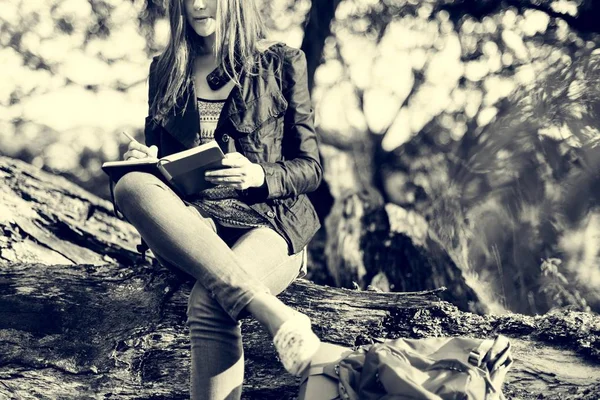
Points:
[[239, 28]]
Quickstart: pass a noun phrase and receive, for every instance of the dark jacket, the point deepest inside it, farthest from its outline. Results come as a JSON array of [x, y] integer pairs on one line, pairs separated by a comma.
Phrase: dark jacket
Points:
[[270, 120]]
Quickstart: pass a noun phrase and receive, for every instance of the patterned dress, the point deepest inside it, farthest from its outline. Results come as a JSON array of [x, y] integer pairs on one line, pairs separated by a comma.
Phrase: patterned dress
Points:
[[222, 202]]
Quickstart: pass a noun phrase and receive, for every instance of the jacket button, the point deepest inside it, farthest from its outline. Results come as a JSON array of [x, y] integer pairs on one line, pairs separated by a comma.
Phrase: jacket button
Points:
[[270, 214], [225, 138]]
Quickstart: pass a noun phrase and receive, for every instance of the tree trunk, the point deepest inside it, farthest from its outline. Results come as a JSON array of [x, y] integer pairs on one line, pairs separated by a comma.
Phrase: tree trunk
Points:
[[83, 316], [316, 31], [385, 246]]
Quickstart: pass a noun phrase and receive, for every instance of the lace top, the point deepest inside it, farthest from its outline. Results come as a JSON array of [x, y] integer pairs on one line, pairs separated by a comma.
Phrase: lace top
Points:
[[222, 202], [210, 110]]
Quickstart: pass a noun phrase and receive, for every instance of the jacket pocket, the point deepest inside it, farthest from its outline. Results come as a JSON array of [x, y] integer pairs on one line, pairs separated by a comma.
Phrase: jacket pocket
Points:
[[287, 203], [259, 111], [259, 128]]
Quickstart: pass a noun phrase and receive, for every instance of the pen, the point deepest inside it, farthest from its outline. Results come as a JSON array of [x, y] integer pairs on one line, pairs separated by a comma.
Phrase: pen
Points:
[[131, 138], [148, 152]]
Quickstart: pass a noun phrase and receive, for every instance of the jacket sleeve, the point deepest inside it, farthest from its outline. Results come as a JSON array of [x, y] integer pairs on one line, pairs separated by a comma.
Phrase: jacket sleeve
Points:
[[301, 170]]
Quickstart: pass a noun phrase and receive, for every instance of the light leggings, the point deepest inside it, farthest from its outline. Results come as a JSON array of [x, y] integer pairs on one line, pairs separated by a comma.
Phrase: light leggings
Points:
[[230, 266]]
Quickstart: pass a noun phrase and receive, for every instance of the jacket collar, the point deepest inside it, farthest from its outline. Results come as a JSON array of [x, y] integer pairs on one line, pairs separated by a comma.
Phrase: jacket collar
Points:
[[183, 122]]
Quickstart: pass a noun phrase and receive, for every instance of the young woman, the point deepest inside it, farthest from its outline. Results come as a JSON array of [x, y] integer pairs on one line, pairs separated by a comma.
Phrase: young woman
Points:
[[243, 240]]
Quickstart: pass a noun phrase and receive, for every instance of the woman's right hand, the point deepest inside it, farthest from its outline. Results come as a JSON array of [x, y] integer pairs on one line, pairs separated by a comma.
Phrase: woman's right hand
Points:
[[136, 150]]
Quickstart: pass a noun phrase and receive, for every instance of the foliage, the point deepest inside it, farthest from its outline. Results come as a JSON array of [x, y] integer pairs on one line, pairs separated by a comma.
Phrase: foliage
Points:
[[556, 285], [526, 195], [74, 77], [484, 123]]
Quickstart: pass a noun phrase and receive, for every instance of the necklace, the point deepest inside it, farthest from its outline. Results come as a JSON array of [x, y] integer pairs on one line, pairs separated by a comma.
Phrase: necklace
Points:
[[217, 78]]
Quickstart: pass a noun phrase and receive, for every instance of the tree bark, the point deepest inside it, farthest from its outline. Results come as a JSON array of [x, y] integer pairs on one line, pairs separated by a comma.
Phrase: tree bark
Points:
[[392, 249], [82, 316], [88, 331], [316, 30]]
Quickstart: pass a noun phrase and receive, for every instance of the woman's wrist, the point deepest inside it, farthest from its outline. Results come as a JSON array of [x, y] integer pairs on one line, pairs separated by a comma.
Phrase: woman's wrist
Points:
[[258, 175]]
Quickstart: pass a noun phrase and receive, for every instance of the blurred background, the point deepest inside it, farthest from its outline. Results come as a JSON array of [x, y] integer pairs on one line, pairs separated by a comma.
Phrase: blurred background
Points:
[[459, 138]]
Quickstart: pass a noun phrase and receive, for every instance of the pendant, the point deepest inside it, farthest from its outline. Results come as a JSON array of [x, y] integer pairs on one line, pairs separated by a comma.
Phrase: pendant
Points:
[[217, 78]]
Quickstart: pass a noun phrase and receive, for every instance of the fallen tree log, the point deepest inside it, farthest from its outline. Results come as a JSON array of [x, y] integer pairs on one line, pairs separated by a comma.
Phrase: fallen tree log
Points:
[[112, 332], [83, 316]]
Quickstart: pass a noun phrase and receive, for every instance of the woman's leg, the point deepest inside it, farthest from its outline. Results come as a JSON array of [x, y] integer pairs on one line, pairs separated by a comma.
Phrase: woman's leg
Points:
[[216, 345], [180, 236], [177, 233]]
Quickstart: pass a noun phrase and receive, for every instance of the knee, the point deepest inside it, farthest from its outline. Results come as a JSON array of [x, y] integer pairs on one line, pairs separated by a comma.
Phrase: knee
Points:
[[204, 313], [131, 187]]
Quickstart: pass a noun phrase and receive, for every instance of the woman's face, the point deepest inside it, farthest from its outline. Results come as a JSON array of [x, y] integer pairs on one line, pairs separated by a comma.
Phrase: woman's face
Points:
[[201, 15]]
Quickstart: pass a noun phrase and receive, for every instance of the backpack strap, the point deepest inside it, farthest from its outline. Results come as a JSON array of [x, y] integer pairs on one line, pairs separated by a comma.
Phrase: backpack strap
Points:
[[329, 369], [320, 381], [477, 355]]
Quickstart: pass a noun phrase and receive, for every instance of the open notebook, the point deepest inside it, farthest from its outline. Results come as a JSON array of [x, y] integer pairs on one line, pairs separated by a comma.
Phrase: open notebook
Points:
[[184, 171]]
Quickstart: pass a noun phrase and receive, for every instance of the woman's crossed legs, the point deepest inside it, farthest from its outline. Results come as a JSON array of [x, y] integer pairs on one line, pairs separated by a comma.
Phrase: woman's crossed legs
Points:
[[177, 234], [230, 273], [216, 342]]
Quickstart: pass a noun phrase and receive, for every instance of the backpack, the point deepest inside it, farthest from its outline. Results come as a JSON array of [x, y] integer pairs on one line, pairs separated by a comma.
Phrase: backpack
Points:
[[431, 368]]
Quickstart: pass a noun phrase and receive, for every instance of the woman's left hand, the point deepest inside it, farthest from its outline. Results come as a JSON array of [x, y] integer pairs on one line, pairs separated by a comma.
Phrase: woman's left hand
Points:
[[239, 172]]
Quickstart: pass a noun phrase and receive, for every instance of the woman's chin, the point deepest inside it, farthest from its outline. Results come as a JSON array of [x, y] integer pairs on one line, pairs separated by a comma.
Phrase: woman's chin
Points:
[[204, 28]]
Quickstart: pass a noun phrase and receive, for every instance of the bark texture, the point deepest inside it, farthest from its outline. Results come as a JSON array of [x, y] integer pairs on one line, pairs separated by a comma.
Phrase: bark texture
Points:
[[82, 316]]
